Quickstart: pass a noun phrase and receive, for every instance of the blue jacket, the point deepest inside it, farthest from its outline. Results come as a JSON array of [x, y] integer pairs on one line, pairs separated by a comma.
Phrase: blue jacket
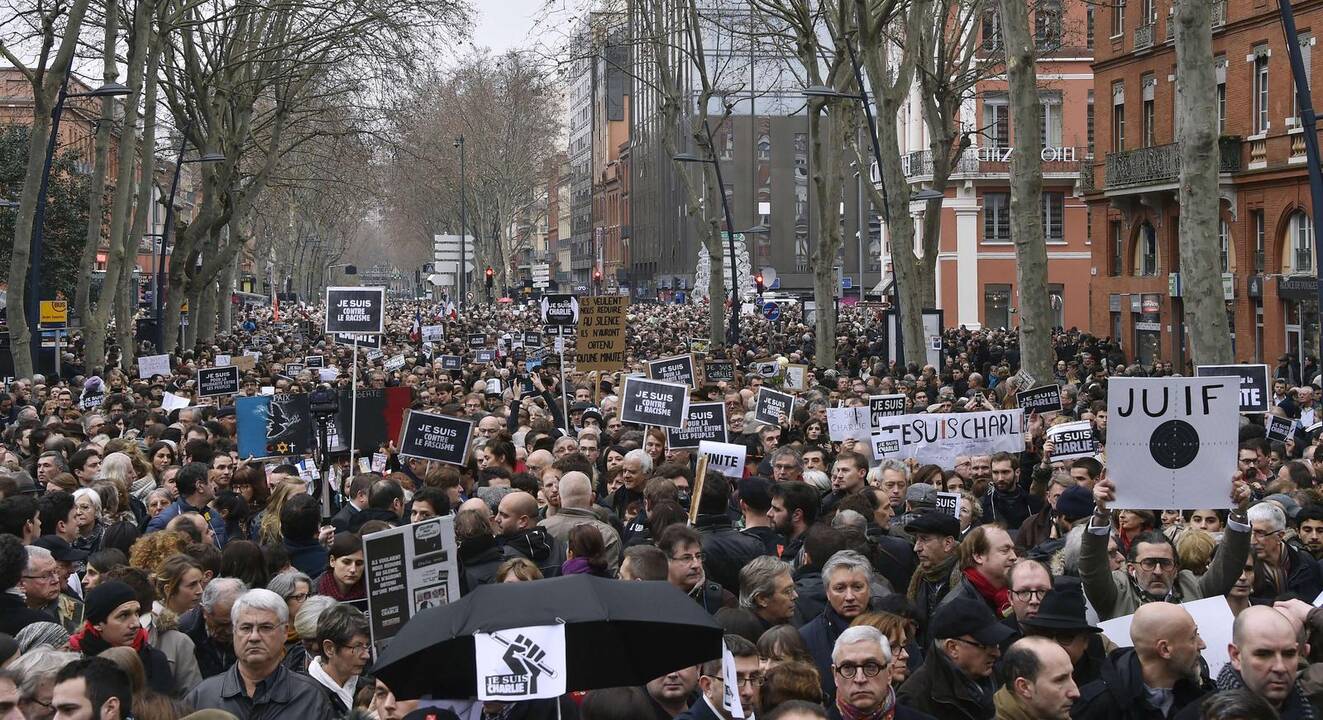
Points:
[[179, 507], [819, 637]]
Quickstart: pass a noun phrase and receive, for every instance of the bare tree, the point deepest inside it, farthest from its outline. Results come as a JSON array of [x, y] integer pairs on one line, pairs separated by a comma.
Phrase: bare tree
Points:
[[1027, 191], [54, 29], [1196, 131], [100, 162]]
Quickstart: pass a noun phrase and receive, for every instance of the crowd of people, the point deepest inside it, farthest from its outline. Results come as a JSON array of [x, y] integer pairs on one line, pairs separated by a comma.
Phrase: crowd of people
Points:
[[149, 571]]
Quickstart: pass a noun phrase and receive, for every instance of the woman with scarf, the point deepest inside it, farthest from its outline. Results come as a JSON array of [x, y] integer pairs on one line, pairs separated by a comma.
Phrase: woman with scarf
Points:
[[586, 553], [87, 518], [343, 579], [111, 619]]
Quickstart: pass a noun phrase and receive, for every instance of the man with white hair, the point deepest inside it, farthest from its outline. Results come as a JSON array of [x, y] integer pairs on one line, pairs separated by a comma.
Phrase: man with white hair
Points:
[[861, 667], [1284, 569], [576, 502], [258, 685], [208, 625], [634, 472]]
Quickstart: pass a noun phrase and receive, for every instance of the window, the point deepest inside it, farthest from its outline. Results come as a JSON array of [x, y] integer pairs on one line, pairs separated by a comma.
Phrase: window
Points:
[[1224, 245], [996, 121], [1049, 119], [1118, 246], [1260, 237], [1056, 299], [1054, 218], [1302, 243], [1306, 42], [997, 305], [991, 30], [996, 217], [1118, 17], [1150, 11], [1088, 27], [1222, 107], [1260, 97], [1148, 84], [764, 146], [726, 142], [1047, 24], [1147, 260], [1118, 116], [1089, 122]]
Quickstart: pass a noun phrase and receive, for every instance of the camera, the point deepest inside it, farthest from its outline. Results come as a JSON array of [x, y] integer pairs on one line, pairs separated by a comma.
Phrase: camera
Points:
[[324, 401]]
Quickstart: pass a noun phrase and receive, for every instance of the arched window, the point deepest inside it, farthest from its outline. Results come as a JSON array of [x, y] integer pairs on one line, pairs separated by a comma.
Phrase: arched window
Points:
[[1224, 245], [1146, 252], [1301, 236]]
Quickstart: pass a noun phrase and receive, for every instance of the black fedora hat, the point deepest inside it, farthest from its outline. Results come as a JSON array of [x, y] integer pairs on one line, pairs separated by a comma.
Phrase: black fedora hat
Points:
[[1062, 609]]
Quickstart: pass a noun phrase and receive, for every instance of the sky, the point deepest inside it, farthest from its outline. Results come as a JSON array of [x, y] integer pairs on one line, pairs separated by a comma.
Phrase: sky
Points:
[[505, 24]]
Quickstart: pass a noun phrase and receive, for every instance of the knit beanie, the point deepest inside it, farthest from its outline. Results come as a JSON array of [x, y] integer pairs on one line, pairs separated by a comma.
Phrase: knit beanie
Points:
[[102, 600]]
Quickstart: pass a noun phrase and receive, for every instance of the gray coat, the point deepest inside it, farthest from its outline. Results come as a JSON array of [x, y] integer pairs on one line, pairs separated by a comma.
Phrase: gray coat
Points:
[[178, 650], [284, 695]]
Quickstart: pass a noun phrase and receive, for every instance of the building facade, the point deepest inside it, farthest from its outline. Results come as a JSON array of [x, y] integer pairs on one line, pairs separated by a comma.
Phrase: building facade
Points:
[[1266, 236]]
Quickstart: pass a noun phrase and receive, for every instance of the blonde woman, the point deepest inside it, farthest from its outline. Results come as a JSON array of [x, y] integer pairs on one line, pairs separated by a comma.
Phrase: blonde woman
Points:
[[267, 522], [140, 480]]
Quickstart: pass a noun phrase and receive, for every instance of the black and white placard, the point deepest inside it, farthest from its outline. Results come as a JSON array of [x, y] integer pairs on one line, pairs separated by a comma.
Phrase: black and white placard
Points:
[[356, 310], [436, 437], [532, 339], [679, 369], [1255, 384], [773, 407], [715, 371], [725, 458], [477, 340], [363, 341], [218, 381], [949, 503], [482, 357], [706, 421], [314, 361], [654, 402], [1279, 428], [452, 362], [560, 309], [521, 663], [1072, 441], [432, 333], [1171, 442], [880, 406], [1042, 400]]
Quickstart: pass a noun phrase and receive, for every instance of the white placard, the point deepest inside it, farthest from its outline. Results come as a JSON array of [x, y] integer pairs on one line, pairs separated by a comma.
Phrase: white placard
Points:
[[433, 333], [939, 438], [328, 374], [524, 663], [1072, 441], [949, 503], [222, 361], [1171, 442], [730, 698], [394, 362], [171, 401], [727, 458], [149, 365], [1211, 615], [848, 422]]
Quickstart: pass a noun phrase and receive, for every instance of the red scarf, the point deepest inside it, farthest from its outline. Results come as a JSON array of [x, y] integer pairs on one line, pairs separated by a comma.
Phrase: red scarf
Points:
[[89, 642], [886, 712], [999, 599]]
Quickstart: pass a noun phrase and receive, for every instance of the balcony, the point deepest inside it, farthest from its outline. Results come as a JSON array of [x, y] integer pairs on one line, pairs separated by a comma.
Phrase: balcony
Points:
[[1161, 164], [1144, 36], [984, 161], [1219, 13]]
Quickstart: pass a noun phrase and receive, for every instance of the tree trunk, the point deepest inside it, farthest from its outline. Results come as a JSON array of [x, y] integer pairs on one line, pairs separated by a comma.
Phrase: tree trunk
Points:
[[97, 190], [206, 323], [227, 291], [124, 302], [1196, 132], [825, 170], [1036, 354]]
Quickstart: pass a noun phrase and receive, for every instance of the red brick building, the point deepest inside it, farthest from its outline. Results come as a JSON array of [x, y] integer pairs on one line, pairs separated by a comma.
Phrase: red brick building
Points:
[[1267, 236]]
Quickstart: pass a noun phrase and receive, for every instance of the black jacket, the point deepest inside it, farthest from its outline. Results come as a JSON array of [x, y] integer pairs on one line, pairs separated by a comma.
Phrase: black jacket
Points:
[[819, 636], [812, 591], [1010, 509], [902, 713], [701, 711], [727, 550], [309, 558], [16, 615], [213, 657], [342, 519], [771, 539], [1119, 693], [358, 519], [479, 557], [941, 690], [1303, 578], [537, 545], [898, 559]]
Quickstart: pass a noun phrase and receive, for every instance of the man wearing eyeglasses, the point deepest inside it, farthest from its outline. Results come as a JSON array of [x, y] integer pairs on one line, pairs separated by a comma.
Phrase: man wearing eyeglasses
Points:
[[955, 680], [1151, 573], [1283, 568], [861, 665], [711, 682]]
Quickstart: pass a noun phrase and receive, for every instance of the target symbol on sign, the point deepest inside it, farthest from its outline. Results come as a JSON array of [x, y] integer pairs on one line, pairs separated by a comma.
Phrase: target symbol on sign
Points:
[[1174, 444]]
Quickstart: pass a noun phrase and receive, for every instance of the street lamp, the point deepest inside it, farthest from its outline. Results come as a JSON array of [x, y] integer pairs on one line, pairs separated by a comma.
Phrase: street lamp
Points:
[[38, 245], [733, 332], [463, 222], [166, 234]]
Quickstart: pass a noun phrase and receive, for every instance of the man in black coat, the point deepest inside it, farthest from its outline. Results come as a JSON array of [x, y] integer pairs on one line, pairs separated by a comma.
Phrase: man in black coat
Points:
[[358, 502], [726, 549], [14, 611], [711, 684], [955, 680], [208, 625]]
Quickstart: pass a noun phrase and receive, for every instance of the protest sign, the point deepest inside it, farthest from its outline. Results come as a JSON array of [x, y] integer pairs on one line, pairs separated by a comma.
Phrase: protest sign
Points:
[[1072, 441], [409, 569], [1211, 615], [482, 357], [1171, 442], [715, 371], [560, 309], [314, 361], [222, 360], [532, 339], [700, 345], [149, 365], [274, 425], [293, 369], [1041, 400], [601, 344], [772, 407], [1255, 384], [706, 421], [215, 382], [847, 422], [171, 401], [521, 663], [355, 310], [730, 683], [477, 340], [245, 362], [452, 362], [949, 503], [363, 341], [939, 438], [380, 415], [679, 369], [1279, 429], [432, 333], [436, 437], [394, 362], [796, 377], [654, 402], [726, 458], [881, 406]]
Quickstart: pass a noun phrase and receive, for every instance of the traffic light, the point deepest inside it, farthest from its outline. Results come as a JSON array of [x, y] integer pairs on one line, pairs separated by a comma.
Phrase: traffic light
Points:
[[597, 277], [491, 276], [758, 280]]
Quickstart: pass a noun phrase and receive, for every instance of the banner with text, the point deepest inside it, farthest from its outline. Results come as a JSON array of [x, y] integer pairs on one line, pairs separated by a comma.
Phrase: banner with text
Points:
[[941, 437]]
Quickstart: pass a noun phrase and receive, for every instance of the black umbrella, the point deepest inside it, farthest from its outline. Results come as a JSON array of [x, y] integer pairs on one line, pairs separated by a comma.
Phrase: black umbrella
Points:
[[616, 633]]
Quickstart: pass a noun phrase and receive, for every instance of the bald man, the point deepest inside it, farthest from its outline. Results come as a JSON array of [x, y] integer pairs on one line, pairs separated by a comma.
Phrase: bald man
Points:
[[1038, 683], [1265, 650], [576, 502], [517, 530], [1159, 676], [537, 461]]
